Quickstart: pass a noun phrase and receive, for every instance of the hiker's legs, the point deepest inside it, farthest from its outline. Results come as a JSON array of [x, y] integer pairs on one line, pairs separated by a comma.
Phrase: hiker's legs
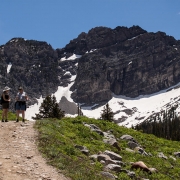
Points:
[[23, 108], [17, 114], [6, 113], [20, 109], [5, 107], [17, 107], [23, 114], [3, 115]]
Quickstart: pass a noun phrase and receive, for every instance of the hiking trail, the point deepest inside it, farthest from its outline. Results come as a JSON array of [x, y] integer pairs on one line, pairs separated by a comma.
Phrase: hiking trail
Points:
[[19, 156]]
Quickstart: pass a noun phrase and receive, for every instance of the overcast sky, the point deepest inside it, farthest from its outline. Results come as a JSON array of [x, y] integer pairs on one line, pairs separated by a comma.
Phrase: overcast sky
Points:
[[59, 21]]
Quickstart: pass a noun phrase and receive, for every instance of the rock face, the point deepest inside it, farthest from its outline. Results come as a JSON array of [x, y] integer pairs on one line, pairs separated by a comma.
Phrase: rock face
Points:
[[123, 61], [68, 107], [140, 64], [34, 67]]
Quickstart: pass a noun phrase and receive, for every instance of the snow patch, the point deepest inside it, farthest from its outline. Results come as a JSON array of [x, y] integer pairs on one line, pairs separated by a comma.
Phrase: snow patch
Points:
[[34, 109], [73, 57], [67, 73], [9, 67]]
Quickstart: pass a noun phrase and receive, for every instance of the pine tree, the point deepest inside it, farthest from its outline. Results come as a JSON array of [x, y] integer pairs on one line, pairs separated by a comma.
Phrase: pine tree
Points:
[[49, 109], [107, 113]]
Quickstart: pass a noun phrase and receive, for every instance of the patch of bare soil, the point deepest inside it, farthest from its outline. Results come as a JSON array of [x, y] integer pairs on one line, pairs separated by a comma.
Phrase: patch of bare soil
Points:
[[19, 156]]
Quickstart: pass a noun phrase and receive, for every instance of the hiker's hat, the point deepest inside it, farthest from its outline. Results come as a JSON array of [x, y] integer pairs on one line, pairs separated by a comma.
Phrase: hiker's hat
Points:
[[20, 88], [6, 89]]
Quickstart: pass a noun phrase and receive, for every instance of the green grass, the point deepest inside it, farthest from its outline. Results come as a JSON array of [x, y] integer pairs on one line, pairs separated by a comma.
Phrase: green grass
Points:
[[57, 139], [11, 116]]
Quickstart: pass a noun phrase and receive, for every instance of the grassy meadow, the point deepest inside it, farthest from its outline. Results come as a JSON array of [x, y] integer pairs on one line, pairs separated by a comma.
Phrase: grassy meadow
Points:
[[57, 139]]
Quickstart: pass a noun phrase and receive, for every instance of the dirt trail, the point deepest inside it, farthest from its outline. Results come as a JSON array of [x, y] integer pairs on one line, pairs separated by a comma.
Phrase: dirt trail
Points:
[[19, 157]]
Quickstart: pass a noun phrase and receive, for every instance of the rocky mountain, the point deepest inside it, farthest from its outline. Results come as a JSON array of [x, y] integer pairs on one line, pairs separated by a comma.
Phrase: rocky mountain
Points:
[[130, 62], [123, 61], [34, 66]]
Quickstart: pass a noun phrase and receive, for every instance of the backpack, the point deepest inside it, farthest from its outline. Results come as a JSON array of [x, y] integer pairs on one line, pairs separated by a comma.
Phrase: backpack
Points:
[[1, 100]]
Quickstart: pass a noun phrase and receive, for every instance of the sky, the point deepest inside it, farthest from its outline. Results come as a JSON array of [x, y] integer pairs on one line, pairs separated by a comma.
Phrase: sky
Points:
[[59, 21], [141, 107]]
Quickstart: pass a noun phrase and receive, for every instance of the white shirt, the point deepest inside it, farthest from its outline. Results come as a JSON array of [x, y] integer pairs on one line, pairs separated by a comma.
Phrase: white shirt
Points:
[[21, 96]]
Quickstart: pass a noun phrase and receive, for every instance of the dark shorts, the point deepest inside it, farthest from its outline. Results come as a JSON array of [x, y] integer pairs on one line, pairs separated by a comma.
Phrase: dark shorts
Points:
[[20, 106], [5, 105]]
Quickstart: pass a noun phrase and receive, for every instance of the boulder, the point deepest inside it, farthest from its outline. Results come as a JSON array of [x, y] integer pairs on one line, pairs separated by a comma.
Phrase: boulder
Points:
[[113, 155], [113, 167]]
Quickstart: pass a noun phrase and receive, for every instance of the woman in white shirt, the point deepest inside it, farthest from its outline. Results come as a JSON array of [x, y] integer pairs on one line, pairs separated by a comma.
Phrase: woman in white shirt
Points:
[[20, 104]]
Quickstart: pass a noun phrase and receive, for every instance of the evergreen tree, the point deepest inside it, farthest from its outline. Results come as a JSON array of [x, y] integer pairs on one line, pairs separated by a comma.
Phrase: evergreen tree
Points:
[[49, 109], [107, 113]]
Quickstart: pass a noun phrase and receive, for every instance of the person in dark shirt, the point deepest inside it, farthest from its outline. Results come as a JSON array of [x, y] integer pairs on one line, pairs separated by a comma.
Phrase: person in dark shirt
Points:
[[5, 104]]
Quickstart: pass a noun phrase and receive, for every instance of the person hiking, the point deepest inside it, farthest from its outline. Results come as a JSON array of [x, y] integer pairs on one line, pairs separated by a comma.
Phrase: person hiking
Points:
[[5, 98], [20, 105]]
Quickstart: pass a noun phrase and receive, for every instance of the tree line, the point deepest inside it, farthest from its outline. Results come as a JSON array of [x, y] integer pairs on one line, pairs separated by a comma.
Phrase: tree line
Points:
[[165, 124]]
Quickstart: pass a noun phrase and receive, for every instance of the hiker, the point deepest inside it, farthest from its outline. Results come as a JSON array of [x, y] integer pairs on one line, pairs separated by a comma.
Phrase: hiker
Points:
[[5, 98], [20, 105]]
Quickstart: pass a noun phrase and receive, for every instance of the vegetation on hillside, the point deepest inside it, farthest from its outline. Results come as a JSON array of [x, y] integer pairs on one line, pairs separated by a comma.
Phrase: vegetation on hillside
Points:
[[165, 124], [57, 140]]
